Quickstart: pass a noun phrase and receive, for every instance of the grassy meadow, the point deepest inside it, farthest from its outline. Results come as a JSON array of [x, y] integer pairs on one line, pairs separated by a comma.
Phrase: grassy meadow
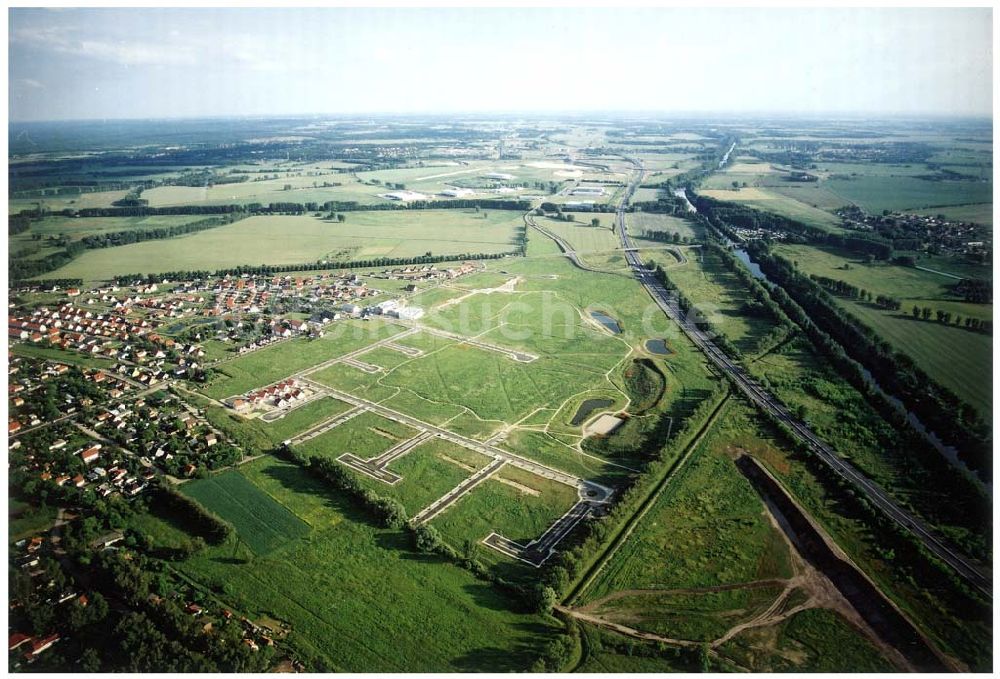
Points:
[[279, 239], [958, 358], [357, 597]]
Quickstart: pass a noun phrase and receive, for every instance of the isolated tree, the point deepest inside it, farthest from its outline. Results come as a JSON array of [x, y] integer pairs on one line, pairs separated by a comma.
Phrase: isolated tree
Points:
[[925, 313], [595, 222], [545, 599]]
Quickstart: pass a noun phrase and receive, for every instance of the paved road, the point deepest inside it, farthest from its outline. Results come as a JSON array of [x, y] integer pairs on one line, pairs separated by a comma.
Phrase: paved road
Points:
[[538, 551], [588, 490], [964, 566], [452, 496]]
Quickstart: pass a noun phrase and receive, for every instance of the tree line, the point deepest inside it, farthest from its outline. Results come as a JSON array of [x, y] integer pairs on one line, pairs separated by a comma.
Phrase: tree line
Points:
[[845, 289], [855, 347], [272, 269], [946, 318]]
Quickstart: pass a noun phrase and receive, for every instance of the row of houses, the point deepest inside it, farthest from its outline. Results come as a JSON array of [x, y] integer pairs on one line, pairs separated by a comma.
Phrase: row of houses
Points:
[[282, 395], [428, 272]]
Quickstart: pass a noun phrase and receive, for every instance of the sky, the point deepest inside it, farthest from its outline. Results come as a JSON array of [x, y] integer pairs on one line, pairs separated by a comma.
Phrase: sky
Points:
[[164, 63]]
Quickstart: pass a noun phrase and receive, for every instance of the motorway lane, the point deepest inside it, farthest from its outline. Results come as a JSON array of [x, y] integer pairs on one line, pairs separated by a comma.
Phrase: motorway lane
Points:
[[763, 399]]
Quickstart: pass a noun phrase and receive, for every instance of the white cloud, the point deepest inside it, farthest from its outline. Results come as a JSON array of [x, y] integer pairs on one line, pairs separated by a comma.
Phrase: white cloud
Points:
[[128, 53], [30, 82]]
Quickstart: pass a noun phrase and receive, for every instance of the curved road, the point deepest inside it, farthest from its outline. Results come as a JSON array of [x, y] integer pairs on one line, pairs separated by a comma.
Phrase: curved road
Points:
[[963, 565]]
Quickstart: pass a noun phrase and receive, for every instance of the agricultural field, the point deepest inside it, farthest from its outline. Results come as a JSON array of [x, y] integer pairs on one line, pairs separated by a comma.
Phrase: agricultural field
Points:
[[65, 201], [771, 200], [956, 357], [301, 189], [262, 524], [76, 228], [978, 213], [277, 239], [581, 235], [875, 193], [357, 598], [640, 222]]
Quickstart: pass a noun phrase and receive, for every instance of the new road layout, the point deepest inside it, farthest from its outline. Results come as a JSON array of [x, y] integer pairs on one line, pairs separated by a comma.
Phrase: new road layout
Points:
[[591, 494], [762, 399]]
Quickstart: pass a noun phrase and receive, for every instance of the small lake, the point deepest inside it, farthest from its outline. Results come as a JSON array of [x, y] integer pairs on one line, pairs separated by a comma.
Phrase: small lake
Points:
[[608, 322], [658, 346], [751, 265], [589, 406]]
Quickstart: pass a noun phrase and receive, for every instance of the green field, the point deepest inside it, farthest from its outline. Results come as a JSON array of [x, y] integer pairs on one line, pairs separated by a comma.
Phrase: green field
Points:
[[429, 471], [720, 295], [366, 436], [520, 512], [277, 239], [956, 357], [706, 529], [358, 599], [302, 418], [771, 200], [261, 523], [581, 235], [978, 213], [877, 193], [276, 362], [637, 222], [78, 227], [814, 640]]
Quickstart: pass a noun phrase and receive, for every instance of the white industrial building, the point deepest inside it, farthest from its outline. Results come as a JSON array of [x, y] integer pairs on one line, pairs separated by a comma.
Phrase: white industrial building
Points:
[[408, 313]]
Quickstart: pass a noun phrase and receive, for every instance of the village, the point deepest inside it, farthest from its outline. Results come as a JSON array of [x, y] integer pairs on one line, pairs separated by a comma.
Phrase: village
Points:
[[934, 232]]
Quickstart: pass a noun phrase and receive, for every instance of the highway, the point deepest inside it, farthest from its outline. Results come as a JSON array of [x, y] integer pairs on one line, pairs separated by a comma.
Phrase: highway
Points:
[[764, 400]]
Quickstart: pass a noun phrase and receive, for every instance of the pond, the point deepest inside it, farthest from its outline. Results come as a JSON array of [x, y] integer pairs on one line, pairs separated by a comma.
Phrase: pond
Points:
[[608, 322], [658, 346], [589, 406], [754, 268]]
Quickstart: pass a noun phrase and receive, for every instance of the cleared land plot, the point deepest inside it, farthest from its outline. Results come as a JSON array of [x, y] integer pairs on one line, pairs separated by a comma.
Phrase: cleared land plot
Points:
[[358, 599], [513, 502], [303, 418], [428, 471], [261, 523], [814, 640], [639, 222], [365, 436], [279, 239], [78, 227], [270, 364]]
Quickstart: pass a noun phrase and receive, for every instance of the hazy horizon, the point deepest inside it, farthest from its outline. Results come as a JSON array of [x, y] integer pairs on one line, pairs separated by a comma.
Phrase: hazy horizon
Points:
[[158, 64]]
